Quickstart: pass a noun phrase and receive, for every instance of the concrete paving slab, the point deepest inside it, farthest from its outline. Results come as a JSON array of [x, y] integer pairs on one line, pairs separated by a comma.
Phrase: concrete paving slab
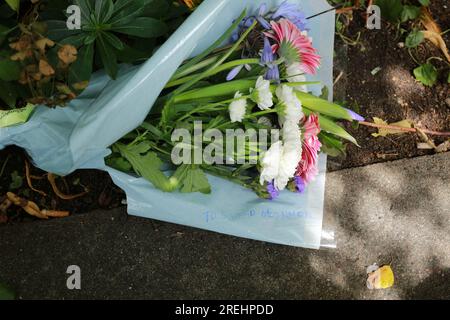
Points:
[[396, 213]]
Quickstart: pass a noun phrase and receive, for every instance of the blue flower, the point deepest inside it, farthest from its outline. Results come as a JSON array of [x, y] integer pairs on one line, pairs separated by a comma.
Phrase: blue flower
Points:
[[273, 192], [260, 17], [244, 24], [299, 184], [354, 115], [267, 60], [291, 12]]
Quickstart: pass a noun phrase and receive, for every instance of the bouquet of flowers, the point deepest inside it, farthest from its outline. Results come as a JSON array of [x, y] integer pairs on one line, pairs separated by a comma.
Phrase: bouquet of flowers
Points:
[[240, 111]]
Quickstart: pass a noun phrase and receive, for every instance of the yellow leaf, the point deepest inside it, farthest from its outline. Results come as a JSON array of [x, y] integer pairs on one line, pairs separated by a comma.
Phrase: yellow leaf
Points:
[[438, 41], [80, 85], [433, 32], [381, 278], [67, 54], [42, 43], [21, 55], [45, 68], [63, 88], [383, 132]]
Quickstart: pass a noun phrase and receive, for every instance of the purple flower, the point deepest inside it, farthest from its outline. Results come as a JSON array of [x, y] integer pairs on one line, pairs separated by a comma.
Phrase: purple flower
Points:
[[354, 115], [291, 12], [273, 192], [234, 72], [299, 184], [261, 19], [243, 25], [267, 59]]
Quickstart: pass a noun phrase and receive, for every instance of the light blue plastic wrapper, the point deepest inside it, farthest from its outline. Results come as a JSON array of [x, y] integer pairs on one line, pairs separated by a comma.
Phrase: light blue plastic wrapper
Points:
[[62, 140]]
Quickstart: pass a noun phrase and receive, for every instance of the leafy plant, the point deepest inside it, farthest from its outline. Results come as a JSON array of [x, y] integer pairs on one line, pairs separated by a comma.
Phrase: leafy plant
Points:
[[426, 74], [103, 24], [43, 62]]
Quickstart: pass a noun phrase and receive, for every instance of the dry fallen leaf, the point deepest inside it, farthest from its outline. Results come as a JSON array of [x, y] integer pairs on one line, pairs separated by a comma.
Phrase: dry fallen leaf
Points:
[[67, 54], [55, 214], [45, 68], [22, 44], [380, 277], [383, 132], [22, 55], [41, 44], [32, 208], [80, 85], [29, 206], [52, 179], [433, 31]]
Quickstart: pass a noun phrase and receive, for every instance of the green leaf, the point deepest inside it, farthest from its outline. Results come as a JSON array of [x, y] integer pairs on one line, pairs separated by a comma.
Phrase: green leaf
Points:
[[13, 4], [142, 27], [192, 179], [107, 56], [410, 13], [126, 11], [147, 165], [427, 74], [15, 116], [415, 38], [425, 3], [6, 293], [119, 163], [323, 106], [86, 10], [103, 10], [16, 181], [390, 9], [328, 125], [9, 70], [81, 69], [331, 145], [113, 40], [57, 30]]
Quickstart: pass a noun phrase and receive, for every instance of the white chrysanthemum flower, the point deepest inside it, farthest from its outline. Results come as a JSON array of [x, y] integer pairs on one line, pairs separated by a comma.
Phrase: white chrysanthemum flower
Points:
[[292, 135], [289, 161], [292, 105], [295, 73], [262, 95], [237, 108], [271, 162], [289, 151]]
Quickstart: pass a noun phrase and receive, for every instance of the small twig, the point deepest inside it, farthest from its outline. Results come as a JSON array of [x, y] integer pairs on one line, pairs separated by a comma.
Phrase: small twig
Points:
[[412, 130], [338, 78], [51, 178], [30, 185]]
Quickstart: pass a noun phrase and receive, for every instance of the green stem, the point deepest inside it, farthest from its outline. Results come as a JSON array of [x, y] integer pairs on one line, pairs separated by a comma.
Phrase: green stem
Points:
[[217, 64], [194, 68], [261, 113], [226, 66], [437, 58], [217, 43]]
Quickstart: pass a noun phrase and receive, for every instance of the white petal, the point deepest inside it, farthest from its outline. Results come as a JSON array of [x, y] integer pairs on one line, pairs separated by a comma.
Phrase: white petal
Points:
[[237, 108]]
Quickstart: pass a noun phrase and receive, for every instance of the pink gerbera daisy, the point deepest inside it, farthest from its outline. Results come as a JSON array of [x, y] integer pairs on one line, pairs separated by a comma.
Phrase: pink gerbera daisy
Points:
[[308, 166], [293, 45]]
